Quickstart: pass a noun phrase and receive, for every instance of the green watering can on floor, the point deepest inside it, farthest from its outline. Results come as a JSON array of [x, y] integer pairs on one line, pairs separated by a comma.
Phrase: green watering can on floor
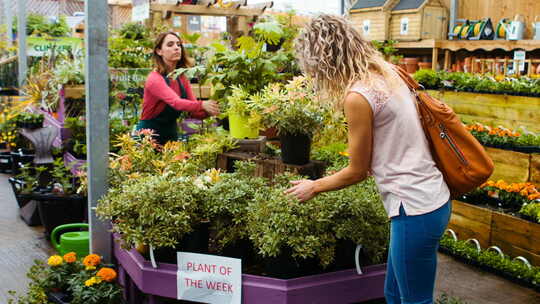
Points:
[[77, 241]]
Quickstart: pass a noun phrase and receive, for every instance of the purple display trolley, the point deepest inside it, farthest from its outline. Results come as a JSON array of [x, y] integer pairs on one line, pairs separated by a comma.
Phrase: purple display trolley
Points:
[[139, 278]]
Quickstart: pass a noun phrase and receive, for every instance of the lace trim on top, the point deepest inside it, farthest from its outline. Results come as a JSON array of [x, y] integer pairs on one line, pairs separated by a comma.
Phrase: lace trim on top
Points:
[[378, 98]]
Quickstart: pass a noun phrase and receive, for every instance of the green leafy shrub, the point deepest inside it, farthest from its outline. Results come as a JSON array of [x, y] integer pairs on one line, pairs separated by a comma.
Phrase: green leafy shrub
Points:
[[153, 210], [311, 229], [428, 78]]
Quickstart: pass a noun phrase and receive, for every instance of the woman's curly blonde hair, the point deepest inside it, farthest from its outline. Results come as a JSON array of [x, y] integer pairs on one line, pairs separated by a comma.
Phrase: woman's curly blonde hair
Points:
[[336, 56]]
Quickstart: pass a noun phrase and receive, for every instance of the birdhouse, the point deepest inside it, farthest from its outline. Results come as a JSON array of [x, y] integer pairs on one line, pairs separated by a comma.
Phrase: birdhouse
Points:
[[372, 18], [413, 20]]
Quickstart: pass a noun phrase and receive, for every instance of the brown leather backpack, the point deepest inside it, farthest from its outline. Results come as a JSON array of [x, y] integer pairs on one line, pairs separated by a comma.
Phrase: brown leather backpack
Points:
[[462, 160]]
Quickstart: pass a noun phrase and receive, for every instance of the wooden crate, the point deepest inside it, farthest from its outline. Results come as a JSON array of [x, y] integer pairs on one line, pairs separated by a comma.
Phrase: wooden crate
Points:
[[74, 91], [515, 236], [256, 145], [269, 167], [416, 20]]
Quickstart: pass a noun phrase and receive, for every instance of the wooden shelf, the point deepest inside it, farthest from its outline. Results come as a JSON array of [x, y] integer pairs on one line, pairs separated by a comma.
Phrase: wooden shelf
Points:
[[471, 45], [203, 10]]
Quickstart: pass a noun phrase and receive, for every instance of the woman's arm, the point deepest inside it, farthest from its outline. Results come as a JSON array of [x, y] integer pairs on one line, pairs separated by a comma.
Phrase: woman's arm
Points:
[[360, 136], [191, 96], [158, 88]]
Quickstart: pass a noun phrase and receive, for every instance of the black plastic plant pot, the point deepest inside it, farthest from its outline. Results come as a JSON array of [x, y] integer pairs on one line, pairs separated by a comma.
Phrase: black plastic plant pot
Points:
[[284, 266], [59, 298], [58, 210], [527, 149], [195, 241], [295, 149], [5, 162], [20, 157]]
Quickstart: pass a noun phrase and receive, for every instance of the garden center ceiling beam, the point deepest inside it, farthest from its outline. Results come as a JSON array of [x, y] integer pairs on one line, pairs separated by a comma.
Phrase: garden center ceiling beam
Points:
[[21, 23], [97, 117], [203, 10]]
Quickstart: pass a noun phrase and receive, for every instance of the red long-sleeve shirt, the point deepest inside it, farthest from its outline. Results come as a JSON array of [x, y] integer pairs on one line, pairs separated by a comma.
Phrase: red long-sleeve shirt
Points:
[[157, 94]]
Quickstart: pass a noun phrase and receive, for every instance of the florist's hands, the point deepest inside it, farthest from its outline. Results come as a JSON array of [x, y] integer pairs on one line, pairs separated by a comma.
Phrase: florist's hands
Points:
[[303, 190], [211, 107]]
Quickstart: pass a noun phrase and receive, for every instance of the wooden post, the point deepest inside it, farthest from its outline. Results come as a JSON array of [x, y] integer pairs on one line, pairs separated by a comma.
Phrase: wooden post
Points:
[[447, 60], [435, 58]]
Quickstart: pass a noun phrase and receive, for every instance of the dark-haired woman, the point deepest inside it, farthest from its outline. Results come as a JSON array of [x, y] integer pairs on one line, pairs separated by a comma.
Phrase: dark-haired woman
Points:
[[164, 98]]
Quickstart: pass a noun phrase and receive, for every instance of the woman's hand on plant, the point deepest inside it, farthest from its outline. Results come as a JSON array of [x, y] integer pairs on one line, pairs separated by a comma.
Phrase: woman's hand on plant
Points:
[[211, 107], [303, 190]]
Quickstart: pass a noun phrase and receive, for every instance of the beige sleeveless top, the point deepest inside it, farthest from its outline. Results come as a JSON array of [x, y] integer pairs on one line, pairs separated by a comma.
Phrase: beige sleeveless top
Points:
[[401, 163]]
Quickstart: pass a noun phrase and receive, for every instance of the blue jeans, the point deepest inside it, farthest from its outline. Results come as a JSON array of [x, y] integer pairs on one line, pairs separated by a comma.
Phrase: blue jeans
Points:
[[412, 258]]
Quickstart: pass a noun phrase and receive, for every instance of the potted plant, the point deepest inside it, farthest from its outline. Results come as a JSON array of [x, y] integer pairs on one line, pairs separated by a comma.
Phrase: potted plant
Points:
[[244, 114], [53, 188], [293, 110], [297, 239], [68, 279], [158, 211]]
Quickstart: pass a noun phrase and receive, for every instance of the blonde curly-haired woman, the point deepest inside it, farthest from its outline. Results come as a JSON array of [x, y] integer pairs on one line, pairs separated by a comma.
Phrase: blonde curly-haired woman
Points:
[[385, 138]]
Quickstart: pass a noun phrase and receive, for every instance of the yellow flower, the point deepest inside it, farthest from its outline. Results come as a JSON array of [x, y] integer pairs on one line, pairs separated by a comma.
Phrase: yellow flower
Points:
[[90, 268], [55, 260], [92, 281], [70, 257]]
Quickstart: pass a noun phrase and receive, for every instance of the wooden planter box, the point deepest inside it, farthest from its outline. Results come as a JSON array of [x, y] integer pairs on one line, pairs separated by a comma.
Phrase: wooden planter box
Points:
[[494, 109], [515, 236], [139, 278], [74, 91], [511, 166]]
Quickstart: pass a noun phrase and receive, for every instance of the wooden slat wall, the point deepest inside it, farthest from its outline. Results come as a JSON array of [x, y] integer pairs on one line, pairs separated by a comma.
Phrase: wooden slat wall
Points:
[[377, 24], [498, 9], [414, 26]]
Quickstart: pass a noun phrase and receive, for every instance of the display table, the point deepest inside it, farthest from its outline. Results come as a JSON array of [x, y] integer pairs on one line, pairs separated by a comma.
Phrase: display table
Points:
[[139, 279]]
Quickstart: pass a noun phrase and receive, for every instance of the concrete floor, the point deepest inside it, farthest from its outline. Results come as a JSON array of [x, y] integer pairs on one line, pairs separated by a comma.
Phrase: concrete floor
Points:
[[21, 244]]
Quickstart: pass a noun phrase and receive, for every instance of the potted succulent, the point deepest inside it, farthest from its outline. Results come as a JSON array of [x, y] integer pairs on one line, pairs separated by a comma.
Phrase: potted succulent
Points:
[[293, 110]]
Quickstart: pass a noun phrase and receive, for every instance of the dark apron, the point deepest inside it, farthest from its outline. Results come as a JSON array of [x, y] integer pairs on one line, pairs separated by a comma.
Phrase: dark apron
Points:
[[164, 125]]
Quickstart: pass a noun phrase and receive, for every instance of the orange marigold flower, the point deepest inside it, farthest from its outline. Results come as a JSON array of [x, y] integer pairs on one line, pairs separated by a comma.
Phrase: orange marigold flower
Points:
[[106, 274], [92, 260], [532, 197], [524, 193], [492, 132], [70, 257]]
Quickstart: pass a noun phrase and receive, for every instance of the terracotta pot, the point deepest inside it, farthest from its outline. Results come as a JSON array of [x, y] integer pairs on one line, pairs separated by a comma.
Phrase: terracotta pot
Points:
[[425, 65], [411, 64]]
